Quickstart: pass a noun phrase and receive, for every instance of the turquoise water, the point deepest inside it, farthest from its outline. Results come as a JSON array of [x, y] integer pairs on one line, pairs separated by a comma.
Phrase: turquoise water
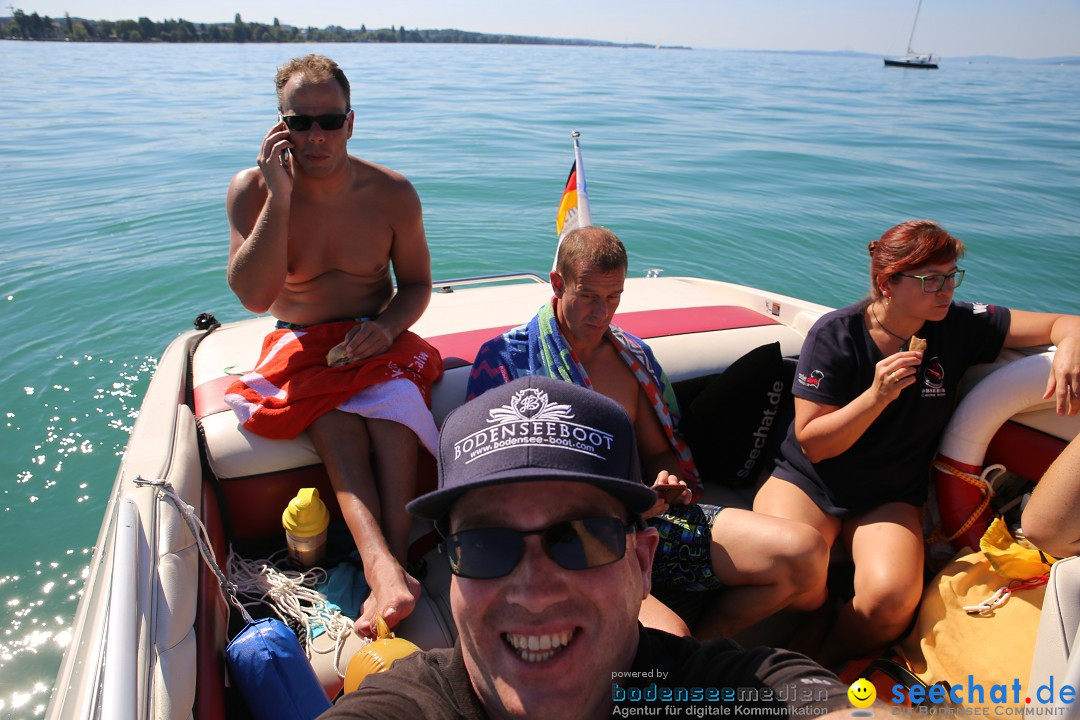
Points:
[[765, 169]]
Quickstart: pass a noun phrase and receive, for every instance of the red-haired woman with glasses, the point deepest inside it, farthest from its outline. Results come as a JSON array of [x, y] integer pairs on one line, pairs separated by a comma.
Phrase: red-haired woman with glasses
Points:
[[869, 412]]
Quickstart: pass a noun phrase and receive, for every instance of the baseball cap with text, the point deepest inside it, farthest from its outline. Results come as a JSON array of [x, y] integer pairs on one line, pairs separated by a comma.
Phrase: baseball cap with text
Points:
[[536, 428]]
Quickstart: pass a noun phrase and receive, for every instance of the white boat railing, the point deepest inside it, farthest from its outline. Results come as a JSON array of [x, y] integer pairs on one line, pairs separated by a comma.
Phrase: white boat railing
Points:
[[120, 672], [447, 286]]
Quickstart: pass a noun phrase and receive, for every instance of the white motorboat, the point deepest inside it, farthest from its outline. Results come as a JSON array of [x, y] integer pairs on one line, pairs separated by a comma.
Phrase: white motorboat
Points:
[[149, 635]]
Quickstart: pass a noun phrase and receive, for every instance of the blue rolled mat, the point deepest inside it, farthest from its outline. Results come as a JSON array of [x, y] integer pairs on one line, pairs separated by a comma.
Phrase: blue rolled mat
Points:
[[268, 666]]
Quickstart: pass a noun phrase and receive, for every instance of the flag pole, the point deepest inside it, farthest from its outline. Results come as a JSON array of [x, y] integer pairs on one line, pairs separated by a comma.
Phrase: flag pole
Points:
[[584, 216], [574, 208]]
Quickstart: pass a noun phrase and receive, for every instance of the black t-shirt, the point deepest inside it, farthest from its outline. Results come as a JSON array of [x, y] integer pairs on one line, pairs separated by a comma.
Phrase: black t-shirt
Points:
[[889, 462], [667, 670]]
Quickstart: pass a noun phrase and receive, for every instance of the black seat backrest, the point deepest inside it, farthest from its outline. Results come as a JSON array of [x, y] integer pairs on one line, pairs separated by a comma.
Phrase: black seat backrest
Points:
[[735, 421]]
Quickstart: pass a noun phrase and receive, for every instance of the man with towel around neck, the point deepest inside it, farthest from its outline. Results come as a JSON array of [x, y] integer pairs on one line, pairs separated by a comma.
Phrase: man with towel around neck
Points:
[[314, 234], [756, 562]]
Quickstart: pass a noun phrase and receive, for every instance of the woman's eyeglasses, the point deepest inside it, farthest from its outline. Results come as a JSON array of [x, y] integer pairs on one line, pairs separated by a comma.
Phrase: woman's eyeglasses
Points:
[[301, 123], [934, 283], [488, 553]]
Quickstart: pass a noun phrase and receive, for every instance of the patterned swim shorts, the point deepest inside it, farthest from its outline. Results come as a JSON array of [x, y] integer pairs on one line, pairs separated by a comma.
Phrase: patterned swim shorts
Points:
[[683, 557]]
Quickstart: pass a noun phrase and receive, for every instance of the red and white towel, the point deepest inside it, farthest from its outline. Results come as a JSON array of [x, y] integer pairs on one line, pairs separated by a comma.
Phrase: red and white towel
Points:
[[292, 385]]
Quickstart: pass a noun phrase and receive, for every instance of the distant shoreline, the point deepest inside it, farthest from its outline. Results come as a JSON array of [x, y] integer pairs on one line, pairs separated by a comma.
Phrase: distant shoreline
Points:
[[35, 27]]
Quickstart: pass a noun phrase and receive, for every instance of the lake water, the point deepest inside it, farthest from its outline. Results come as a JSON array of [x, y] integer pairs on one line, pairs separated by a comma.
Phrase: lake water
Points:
[[771, 170]]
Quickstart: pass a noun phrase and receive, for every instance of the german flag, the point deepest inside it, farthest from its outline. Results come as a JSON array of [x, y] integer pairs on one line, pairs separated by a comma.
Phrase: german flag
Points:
[[568, 209]]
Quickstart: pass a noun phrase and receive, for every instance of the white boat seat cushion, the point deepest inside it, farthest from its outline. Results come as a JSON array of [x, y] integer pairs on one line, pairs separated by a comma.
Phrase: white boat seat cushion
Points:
[[708, 340], [1058, 623]]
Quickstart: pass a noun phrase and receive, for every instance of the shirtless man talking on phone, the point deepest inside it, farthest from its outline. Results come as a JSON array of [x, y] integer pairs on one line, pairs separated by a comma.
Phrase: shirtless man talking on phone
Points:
[[314, 236]]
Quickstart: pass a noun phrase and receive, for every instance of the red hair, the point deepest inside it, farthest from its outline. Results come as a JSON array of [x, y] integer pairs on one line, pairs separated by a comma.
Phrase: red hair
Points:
[[910, 245]]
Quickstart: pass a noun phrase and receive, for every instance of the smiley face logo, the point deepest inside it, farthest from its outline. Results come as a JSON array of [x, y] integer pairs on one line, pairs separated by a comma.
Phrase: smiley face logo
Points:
[[862, 693]]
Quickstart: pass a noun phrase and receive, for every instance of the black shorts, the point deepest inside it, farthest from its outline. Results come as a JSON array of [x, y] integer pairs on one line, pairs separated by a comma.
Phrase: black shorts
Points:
[[840, 507]]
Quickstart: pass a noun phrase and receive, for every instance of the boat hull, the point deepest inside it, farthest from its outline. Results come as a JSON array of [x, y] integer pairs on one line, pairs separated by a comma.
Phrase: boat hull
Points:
[[913, 64], [239, 483]]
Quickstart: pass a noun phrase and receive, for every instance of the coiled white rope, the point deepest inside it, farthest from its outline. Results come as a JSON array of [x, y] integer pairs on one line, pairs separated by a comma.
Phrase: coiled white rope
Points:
[[292, 596]]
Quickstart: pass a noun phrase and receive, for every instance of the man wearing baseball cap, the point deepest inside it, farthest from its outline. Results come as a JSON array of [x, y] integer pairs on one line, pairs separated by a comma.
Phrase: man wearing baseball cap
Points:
[[539, 502]]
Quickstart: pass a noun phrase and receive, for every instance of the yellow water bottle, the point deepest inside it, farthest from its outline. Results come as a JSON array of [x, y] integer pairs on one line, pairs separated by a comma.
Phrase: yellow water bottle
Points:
[[305, 521]]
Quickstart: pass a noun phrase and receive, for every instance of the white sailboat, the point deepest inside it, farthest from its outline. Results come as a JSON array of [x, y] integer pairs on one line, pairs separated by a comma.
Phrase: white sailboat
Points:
[[912, 59]]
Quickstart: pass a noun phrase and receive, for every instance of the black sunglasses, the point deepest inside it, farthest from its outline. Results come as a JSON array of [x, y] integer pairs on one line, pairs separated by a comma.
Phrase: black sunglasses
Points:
[[329, 121], [488, 553]]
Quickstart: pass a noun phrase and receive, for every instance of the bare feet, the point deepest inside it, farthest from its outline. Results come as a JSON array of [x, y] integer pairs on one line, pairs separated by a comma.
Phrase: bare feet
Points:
[[393, 595]]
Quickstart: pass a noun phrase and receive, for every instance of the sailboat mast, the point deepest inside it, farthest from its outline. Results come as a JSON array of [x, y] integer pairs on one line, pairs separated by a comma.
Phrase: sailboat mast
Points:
[[912, 36], [913, 60]]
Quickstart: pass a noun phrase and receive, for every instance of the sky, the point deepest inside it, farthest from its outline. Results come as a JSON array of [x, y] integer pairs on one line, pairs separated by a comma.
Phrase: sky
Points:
[[1015, 28]]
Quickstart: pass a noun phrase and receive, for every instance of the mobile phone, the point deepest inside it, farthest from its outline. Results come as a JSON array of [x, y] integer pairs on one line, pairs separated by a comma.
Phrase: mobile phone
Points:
[[286, 159], [667, 493]]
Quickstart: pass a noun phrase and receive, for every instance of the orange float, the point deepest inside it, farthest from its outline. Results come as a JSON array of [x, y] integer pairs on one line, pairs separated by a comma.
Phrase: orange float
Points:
[[377, 656]]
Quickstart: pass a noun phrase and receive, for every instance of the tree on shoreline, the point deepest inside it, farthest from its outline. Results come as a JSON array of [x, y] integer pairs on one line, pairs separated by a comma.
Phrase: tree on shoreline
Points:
[[21, 26]]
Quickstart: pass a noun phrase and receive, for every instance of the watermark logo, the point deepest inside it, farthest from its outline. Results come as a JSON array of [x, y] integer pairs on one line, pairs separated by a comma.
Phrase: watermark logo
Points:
[[862, 694], [648, 694], [972, 698]]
